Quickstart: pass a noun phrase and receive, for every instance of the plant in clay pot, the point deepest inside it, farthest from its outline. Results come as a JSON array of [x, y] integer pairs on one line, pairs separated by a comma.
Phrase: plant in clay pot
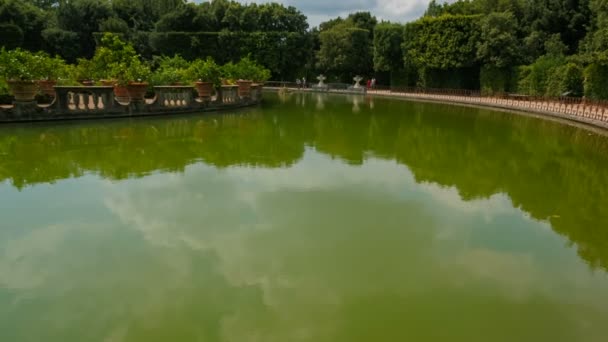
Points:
[[117, 63], [207, 75], [169, 71], [245, 72], [130, 75], [82, 72], [20, 69]]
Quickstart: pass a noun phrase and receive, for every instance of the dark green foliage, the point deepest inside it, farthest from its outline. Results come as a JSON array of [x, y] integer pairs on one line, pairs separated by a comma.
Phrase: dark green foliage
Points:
[[345, 51], [387, 47], [114, 25], [534, 79], [446, 42], [29, 18], [63, 43], [498, 46], [83, 17], [596, 81], [11, 36], [565, 80], [495, 80], [456, 78]]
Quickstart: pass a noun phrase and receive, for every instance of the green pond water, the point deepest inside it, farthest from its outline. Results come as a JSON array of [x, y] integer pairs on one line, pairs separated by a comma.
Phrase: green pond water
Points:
[[310, 218]]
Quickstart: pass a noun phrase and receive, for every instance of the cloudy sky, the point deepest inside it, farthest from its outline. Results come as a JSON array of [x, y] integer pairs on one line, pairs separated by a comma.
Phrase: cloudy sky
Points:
[[318, 11]]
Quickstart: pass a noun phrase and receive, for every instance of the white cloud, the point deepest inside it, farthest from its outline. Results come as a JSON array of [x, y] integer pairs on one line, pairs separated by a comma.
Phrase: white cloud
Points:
[[318, 11]]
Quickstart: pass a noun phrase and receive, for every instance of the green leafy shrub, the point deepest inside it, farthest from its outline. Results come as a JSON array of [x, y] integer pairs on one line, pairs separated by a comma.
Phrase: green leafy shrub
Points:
[[51, 68], [128, 70], [20, 65], [535, 77], [565, 80], [206, 71], [112, 54], [169, 70], [245, 69], [596, 79]]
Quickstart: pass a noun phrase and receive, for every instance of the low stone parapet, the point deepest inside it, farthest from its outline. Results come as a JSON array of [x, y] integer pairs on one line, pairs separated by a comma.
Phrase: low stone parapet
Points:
[[84, 102]]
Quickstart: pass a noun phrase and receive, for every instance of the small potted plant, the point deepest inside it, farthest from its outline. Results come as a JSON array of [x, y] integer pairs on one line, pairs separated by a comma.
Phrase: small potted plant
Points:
[[82, 72], [246, 72], [137, 86], [20, 70], [129, 75], [207, 75]]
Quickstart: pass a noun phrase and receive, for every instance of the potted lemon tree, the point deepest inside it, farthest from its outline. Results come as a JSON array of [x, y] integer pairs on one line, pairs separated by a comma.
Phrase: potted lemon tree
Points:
[[207, 75], [21, 70]]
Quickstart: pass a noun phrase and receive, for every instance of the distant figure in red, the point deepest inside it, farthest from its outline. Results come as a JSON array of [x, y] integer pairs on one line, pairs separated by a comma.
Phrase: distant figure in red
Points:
[[369, 84]]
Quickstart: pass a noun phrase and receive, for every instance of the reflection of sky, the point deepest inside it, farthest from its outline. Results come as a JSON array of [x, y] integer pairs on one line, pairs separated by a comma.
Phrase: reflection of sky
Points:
[[308, 252]]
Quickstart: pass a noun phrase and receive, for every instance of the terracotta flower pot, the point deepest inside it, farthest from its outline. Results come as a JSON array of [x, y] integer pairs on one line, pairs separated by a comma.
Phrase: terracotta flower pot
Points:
[[86, 83], [137, 90], [121, 93], [23, 91], [204, 89], [47, 87], [244, 88]]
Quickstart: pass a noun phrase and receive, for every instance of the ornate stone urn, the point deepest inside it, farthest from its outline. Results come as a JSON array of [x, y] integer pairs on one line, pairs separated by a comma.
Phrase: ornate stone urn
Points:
[[204, 89], [23, 91], [357, 80], [137, 90]]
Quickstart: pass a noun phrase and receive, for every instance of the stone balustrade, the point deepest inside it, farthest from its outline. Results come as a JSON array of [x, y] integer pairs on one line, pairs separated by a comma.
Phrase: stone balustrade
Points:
[[82, 102]]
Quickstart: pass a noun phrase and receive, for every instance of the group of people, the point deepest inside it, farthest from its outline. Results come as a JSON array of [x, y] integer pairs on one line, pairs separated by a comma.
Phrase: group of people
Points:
[[371, 83]]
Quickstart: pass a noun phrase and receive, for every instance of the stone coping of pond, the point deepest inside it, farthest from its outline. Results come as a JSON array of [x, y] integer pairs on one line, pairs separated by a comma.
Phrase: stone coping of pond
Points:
[[95, 102], [588, 114]]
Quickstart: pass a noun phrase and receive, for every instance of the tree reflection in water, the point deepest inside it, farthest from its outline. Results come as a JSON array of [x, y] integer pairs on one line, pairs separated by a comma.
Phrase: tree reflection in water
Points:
[[552, 171]]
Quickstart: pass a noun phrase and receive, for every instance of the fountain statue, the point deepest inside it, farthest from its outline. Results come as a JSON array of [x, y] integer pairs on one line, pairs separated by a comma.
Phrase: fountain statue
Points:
[[321, 78], [321, 86], [357, 80]]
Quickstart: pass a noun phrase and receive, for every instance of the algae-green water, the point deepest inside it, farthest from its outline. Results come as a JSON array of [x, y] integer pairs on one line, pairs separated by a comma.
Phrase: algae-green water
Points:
[[309, 218]]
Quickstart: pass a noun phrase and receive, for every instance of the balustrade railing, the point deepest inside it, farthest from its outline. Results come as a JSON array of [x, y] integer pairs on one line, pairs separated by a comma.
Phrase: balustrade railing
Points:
[[100, 101], [85, 99], [566, 106], [230, 93], [174, 96]]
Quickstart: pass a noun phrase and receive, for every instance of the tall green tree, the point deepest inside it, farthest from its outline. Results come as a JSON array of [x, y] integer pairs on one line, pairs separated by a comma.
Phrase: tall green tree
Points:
[[498, 44], [345, 51], [388, 38], [29, 19], [83, 18]]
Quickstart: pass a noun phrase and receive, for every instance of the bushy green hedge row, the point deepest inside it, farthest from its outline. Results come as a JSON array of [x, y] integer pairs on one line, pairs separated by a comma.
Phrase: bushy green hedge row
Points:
[[281, 52]]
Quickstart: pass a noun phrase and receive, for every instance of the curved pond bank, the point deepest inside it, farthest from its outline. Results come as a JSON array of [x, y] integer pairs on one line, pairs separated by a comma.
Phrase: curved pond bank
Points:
[[570, 109], [313, 217]]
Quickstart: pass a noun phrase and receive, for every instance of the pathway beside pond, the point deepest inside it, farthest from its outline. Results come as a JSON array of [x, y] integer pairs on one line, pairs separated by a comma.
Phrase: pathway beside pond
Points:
[[593, 113]]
